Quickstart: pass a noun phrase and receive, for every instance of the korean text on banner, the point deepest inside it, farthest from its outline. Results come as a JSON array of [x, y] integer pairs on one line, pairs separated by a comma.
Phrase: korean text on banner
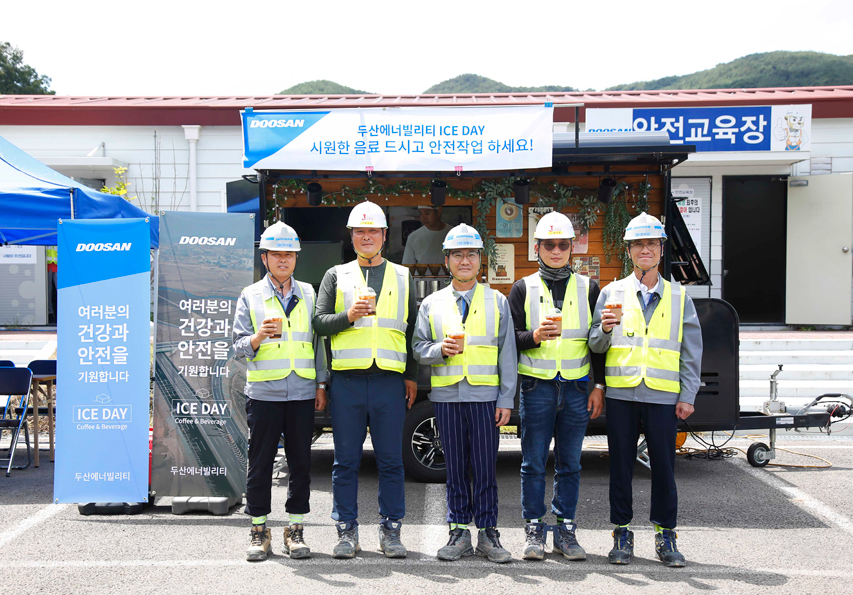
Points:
[[200, 430], [103, 357], [399, 139]]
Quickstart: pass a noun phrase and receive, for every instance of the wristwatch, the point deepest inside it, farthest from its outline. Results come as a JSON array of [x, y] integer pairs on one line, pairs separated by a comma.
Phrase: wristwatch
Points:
[[602, 387], [322, 385]]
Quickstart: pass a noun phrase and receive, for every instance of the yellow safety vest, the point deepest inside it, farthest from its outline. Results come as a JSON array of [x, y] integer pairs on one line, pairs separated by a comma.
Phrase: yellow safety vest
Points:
[[478, 363], [294, 351], [51, 255], [380, 338], [647, 353], [567, 355]]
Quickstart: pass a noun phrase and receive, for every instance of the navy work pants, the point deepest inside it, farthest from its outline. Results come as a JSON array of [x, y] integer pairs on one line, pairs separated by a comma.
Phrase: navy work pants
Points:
[[268, 420], [625, 421], [359, 401]]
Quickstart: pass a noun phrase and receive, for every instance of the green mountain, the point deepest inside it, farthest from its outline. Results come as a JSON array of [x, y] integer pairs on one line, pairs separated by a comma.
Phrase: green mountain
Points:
[[770, 69], [473, 83], [321, 87]]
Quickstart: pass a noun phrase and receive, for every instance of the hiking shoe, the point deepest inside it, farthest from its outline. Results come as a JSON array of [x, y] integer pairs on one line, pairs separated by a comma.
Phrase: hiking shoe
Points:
[[294, 544], [389, 539], [489, 545], [457, 546], [566, 543], [623, 546], [347, 546], [534, 545], [666, 550], [259, 548]]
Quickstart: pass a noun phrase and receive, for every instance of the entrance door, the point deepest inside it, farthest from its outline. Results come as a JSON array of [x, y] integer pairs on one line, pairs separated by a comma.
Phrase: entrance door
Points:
[[820, 238], [754, 252]]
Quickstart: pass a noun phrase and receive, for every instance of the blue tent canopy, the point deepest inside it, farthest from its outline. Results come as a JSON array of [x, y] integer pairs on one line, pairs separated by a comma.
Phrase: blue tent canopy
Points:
[[34, 197]]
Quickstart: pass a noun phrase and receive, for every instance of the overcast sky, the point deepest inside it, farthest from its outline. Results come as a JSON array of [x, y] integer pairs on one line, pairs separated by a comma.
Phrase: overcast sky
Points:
[[260, 48]]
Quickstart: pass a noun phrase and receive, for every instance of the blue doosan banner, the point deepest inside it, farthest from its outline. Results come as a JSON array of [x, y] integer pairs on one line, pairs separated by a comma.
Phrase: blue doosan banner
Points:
[[720, 129], [103, 356]]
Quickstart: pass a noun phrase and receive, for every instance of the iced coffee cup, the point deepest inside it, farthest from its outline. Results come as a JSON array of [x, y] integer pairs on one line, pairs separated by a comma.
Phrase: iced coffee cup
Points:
[[367, 294], [556, 316], [457, 333], [278, 323], [615, 308]]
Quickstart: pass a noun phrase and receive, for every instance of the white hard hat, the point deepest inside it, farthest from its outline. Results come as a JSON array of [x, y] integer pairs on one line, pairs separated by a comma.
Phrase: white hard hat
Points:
[[280, 237], [463, 236], [644, 226], [367, 214], [431, 207], [554, 226]]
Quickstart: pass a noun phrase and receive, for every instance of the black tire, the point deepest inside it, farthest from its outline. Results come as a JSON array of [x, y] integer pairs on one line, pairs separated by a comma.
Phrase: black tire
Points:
[[423, 456], [756, 454]]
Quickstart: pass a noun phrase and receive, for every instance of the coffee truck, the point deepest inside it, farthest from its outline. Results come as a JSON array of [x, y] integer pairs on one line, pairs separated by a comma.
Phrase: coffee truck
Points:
[[311, 180]]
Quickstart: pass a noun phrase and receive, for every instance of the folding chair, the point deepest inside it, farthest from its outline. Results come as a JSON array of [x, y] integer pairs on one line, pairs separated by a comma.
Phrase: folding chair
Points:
[[5, 363], [44, 376], [15, 382]]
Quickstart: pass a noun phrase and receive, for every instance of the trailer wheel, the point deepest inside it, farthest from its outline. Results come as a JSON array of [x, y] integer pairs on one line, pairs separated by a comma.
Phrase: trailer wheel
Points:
[[423, 457], [757, 453]]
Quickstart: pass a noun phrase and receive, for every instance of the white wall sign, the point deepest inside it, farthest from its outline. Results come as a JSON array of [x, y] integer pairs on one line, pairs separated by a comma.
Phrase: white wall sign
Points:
[[691, 211], [533, 216], [399, 139], [18, 254], [502, 271]]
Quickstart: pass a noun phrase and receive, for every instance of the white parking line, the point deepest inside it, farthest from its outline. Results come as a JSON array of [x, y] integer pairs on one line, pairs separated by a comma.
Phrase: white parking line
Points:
[[30, 522], [800, 498], [479, 563], [435, 517]]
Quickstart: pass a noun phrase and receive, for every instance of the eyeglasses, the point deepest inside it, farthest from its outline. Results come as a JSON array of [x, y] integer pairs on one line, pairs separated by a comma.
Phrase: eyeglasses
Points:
[[549, 245], [460, 256], [647, 244]]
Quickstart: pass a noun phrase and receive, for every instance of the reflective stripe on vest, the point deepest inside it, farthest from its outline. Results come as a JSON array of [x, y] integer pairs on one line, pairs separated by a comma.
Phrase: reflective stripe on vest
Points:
[[380, 338], [641, 353], [294, 351], [478, 363], [569, 354]]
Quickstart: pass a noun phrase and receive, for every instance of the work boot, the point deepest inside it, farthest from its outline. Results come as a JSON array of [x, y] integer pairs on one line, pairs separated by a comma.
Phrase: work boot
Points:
[[489, 545], [347, 546], [259, 548], [666, 550], [457, 546], [294, 544], [566, 543], [534, 545], [389, 539], [623, 546]]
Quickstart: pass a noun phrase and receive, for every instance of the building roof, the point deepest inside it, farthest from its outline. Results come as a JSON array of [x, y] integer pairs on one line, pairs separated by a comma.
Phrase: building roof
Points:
[[827, 102]]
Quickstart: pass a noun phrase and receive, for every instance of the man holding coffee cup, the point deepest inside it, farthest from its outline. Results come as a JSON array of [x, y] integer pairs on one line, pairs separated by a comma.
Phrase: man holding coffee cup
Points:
[[286, 383], [368, 308], [653, 365], [464, 332], [552, 310]]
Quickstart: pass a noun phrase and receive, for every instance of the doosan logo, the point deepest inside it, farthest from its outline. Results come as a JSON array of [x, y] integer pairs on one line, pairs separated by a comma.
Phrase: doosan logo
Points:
[[209, 241], [116, 247], [277, 124]]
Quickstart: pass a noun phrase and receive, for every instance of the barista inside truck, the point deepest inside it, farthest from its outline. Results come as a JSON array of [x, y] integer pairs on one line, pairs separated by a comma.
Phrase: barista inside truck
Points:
[[425, 245]]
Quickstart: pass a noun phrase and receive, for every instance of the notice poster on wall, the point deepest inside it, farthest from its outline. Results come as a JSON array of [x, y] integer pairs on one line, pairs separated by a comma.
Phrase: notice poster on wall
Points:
[[200, 429], [690, 207], [502, 271], [103, 356], [18, 254], [533, 216]]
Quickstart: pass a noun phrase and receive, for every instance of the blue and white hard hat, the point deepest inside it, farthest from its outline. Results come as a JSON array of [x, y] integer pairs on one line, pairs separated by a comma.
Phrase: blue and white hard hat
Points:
[[462, 236], [644, 226], [280, 237]]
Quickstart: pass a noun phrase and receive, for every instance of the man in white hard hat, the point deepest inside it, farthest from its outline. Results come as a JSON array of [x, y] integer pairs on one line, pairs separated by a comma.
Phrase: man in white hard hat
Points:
[[552, 310], [473, 389], [653, 365], [286, 383], [424, 245], [374, 376]]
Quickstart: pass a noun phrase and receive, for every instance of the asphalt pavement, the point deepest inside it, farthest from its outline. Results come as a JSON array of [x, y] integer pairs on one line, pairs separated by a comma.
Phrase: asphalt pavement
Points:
[[742, 530]]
